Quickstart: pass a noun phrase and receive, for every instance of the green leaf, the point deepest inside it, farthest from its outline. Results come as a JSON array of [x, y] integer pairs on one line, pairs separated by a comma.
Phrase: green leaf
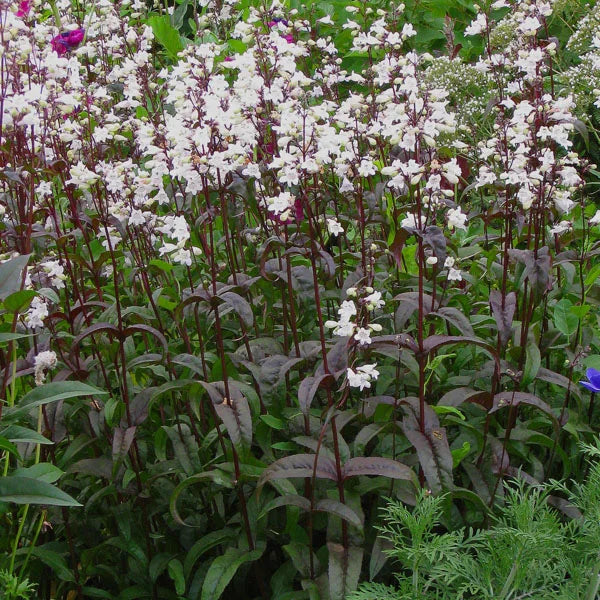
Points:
[[532, 363], [6, 336], [447, 410], [166, 34], [564, 320], [46, 472], [8, 446], [11, 275], [55, 561], [19, 301], [23, 490], [459, 453], [204, 544], [222, 570], [272, 421], [53, 392], [16, 433], [176, 574]]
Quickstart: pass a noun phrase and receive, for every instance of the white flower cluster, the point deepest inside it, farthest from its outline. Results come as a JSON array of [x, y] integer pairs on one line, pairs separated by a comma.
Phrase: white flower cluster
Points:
[[346, 327]]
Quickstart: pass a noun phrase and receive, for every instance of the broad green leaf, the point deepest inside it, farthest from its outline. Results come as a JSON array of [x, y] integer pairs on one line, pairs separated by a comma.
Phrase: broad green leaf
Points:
[[16, 433], [46, 472], [166, 34], [564, 320], [11, 275], [23, 490], [53, 392], [19, 301], [223, 568]]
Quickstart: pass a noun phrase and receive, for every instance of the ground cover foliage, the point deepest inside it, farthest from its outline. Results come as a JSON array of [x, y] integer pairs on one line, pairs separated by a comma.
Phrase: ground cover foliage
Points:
[[270, 269]]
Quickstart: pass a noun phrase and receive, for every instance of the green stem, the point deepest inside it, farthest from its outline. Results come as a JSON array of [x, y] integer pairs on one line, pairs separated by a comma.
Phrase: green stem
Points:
[[56, 14], [33, 542], [17, 538]]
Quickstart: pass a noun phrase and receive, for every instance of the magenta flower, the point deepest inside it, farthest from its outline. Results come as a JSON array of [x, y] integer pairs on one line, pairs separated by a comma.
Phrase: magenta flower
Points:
[[67, 40], [593, 383], [24, 8]]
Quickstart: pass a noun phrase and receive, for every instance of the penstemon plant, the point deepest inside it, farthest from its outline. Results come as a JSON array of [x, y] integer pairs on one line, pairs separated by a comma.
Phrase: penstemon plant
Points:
[[283, 261]]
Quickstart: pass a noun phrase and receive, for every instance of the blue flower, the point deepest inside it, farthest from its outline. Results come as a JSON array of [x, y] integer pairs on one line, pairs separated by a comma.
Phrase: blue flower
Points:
[[593, 383]]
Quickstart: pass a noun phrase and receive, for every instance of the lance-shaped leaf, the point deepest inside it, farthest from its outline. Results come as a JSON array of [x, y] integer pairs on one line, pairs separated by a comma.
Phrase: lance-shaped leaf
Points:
[[557, 379], [299, 465], [378, 466], [337, 359], [122, 440], [431, 445], [503, 314], [434, 342], [25, 490], [507, 399], [538, 269], [233, 411], [53, 392], [457, 396], [340, 510], [344, 570], [434, 237], [239, 305], [222, 570], [308, 388], [408, 304], [456, 318]]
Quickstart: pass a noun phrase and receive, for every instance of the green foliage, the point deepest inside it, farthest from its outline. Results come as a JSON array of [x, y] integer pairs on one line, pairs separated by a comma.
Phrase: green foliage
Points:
[[528, 551]]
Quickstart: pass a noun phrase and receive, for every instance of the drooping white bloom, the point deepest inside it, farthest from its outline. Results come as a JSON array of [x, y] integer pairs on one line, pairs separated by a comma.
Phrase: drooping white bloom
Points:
[[43, 361], [38, 311], [374, 301], [334, 227], [477, 26], [456, 219]]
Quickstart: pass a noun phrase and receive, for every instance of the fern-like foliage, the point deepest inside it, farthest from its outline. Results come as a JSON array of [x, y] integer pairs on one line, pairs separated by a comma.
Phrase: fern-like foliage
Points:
[[530, 551]]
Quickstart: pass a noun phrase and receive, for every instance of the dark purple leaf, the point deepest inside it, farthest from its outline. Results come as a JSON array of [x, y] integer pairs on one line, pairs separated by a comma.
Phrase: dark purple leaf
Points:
[[299, 465], [503, 314], [377, 466]]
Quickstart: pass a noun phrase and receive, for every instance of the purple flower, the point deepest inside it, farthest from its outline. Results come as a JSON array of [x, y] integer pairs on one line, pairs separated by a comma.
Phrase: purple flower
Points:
[[24, 8], [593, 383], [67, 40]]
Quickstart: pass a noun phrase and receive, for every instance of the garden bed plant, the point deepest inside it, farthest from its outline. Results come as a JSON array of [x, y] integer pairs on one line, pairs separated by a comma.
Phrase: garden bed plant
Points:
[[266, 267]]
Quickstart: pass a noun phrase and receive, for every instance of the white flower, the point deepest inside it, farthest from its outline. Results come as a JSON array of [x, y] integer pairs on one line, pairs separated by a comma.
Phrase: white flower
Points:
[[359, 380], [43, 361], [363, 376], [454, 274], [346, 310], [363, 336], [595, 220], [477, 26], [334, 227], [346, 186], [366, 168], [37, 312], [561, 227], [529, 26], [369, 370], [374, 301], [431, 260], [409, 222], [457, 219], [449, 262]]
